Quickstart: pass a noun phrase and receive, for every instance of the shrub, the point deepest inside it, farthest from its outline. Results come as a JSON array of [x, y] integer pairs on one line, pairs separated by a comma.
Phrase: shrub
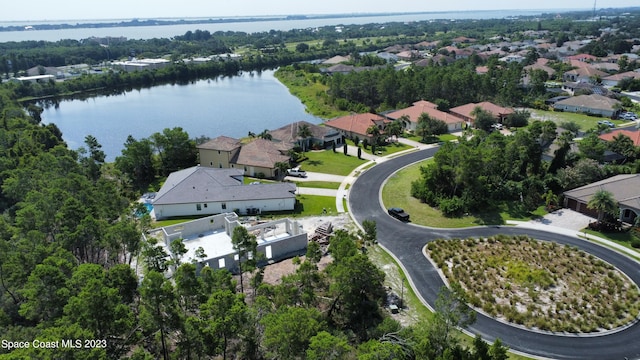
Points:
[[452, 207]]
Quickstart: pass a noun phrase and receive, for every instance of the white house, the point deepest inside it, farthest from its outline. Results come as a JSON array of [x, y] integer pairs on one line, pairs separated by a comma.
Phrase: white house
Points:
[[206, 191], [277, 240]]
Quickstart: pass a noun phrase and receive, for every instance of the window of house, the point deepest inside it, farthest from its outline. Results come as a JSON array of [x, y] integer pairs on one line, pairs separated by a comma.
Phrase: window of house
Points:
[[205, 206], [218, 152], [221, 263], [198, 207], [224, 206], [211, 163]]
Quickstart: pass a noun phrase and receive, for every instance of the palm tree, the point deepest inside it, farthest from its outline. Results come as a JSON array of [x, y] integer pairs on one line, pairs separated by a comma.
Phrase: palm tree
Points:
[[395, 128], [305, 133], [603, 202], [265, 135], [282, 167], [374, 132]]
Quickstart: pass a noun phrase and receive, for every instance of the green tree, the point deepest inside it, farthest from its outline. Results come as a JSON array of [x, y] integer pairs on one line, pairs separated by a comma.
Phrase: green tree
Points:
[[324, 346], [288, 332], [604, 203], [94, 160], [451, 312], [428, 127], [370, 230], [175, 149], [592, 147], [158, 309], [305, 133], [282, 168], [223, 317], [483, 119], [245, 245], [136, 162]]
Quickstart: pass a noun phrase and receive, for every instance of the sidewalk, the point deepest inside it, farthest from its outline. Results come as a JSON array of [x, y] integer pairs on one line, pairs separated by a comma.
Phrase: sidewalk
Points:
[[571, 232], [343, 192]]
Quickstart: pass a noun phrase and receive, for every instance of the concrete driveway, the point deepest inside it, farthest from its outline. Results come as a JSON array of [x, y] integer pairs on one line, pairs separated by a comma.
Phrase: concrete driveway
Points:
[[566, 219]]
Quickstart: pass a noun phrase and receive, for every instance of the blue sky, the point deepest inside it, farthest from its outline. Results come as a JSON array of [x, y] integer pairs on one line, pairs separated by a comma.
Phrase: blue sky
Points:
[[126, 9]]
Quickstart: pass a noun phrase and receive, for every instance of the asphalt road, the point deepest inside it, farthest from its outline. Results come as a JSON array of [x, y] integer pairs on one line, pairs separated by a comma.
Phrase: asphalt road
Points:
[[406, 241]]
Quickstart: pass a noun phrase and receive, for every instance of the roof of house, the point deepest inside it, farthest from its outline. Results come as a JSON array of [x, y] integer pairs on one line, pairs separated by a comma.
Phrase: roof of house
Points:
[[336, 59], [203, 184], [582, 57], [634, 135], [420, 107], [624, 75], [289, 133], [541, 66], [222, 143], [625, 189], [587, 71], [355, 123], [262, 153], [590, 101], [467, 109]]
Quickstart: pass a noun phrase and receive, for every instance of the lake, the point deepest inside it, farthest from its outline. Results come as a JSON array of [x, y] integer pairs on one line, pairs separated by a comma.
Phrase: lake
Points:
[[230, 106]]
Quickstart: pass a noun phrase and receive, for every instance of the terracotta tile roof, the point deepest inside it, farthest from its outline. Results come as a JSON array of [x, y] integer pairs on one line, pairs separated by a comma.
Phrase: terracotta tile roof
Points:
[[539, 66], [262, 153], [420, 107], [624, 75], [582, 57], [222, 143], [467, 109], [355, 123], [289, 132], [588, 71], [634, 135]]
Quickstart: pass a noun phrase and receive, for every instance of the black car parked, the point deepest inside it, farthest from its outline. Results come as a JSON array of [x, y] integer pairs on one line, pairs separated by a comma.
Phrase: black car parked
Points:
[[398, 213]]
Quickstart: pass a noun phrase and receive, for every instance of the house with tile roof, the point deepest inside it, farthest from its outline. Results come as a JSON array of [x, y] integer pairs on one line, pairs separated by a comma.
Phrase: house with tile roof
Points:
[[634, 135], [625, 189], [418, 108], [354, 125], [584, 74], [201, 190], [613, 80], [589, 104], [219, 152], [259, 158], [322, 136], [464, 112], [256, 158]]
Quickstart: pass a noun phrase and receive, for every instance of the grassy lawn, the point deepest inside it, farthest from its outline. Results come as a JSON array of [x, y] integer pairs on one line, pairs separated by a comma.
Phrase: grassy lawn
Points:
[[248, 180], [389, 148], [623, 239], [311, 93], [328, 162], [397, 192], [585, 122], [441, 138], [319, 184]]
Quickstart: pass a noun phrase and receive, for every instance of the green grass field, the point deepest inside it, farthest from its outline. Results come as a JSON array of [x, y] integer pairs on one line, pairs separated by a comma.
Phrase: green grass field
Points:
[[387, 149], [585, 122], [397, 192], [319, 184], [311, 93], [329, 162]]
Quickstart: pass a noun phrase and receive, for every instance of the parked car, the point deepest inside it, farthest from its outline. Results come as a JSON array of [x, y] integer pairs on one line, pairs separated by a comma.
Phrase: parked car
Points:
[[607, 123], [398, 213], [628, 116], [297, 172]]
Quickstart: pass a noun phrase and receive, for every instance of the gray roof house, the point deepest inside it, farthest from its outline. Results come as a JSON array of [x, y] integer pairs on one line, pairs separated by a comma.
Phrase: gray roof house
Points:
[[625, 189], [203, 191], [589, 104]]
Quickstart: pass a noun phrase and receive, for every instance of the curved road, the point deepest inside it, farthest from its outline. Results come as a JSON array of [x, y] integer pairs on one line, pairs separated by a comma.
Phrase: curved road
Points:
[[406, 241]]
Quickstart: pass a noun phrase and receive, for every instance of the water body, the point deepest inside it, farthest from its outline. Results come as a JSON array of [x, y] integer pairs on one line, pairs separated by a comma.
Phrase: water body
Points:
[[169, 31], [230, 106]]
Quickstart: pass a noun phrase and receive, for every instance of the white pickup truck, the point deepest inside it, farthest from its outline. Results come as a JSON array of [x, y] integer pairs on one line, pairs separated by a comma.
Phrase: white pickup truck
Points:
[[297, 172]]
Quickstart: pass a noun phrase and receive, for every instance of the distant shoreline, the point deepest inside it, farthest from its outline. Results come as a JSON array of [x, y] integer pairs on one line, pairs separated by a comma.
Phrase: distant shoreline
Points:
[[34, 25]]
